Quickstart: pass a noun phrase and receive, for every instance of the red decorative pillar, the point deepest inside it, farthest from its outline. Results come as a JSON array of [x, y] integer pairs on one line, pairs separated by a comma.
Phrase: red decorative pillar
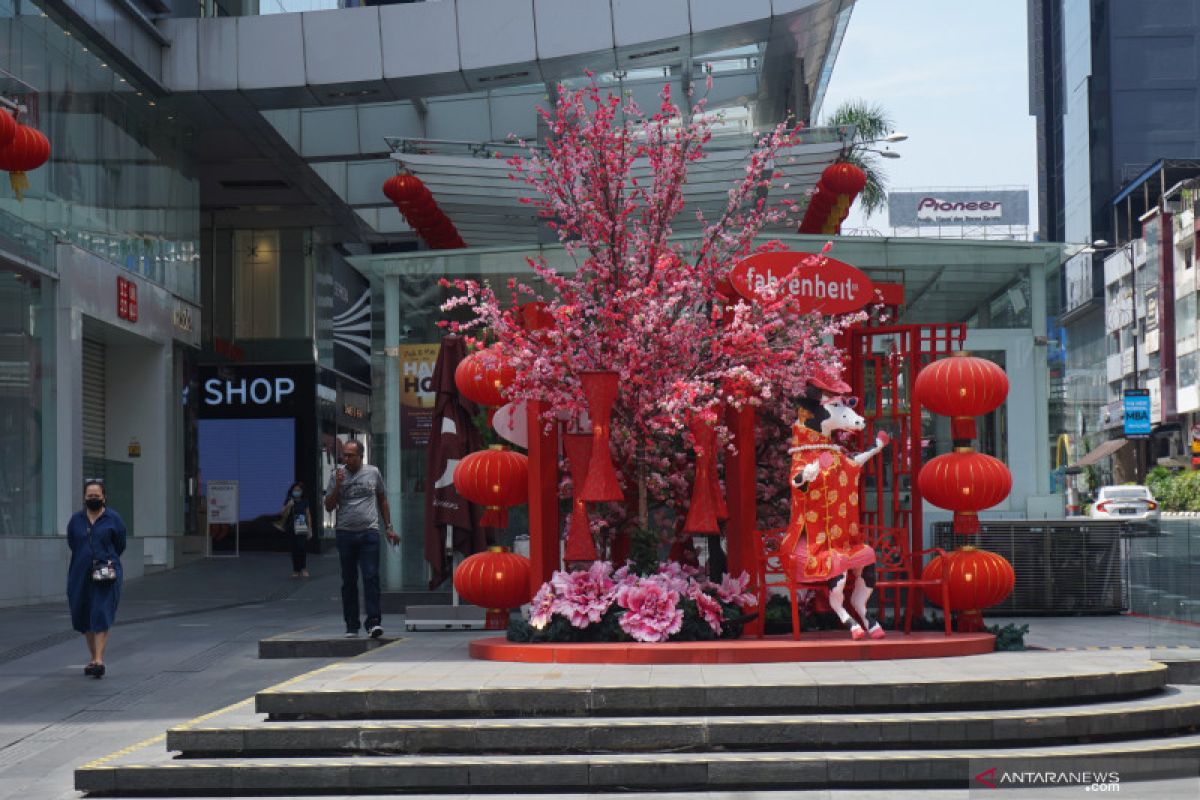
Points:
[[543, 497], [739, 483]]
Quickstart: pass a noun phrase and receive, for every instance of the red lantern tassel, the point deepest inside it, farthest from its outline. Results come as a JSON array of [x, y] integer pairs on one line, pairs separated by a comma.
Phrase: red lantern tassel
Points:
[[496, 619], [19, 182], [962, 428], [966, 522]]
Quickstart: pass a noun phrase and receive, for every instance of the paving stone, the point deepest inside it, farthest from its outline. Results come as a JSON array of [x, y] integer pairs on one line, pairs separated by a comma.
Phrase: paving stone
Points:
[[647, 774], [535, 774]]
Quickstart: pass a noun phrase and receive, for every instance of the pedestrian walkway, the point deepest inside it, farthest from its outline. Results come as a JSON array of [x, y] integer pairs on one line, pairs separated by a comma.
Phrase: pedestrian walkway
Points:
[[185, 643]]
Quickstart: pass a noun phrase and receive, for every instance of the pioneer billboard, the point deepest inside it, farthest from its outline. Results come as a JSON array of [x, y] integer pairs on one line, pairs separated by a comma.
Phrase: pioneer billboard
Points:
[[959, 207]]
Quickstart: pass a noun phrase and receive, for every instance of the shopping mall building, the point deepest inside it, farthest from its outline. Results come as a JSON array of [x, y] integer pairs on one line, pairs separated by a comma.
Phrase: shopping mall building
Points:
[[224, 171]]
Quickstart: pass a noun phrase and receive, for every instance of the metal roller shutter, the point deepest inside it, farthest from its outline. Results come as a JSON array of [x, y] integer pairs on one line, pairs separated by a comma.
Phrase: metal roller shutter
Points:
[[95, 411]]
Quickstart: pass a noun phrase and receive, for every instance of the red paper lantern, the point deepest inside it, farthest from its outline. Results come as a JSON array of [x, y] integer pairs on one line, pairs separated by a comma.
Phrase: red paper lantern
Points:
[[494, 478], [8, 129], [844, 178], [482, 376], [961, 387], [977, 579], [27, 150], [406, 189], [496, 580], [965, 482]]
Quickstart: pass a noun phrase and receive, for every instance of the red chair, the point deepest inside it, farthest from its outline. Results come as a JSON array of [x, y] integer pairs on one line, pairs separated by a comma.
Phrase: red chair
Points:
[[897, 568], [771, 575]]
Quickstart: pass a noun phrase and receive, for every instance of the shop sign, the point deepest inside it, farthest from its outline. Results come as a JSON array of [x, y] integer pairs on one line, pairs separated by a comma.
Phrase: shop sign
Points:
[[819, 284], [243, 391], [127, 299], [1137, 412]]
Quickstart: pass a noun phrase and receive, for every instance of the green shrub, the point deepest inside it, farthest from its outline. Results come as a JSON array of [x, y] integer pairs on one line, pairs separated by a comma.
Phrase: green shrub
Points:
[[1175, 491]]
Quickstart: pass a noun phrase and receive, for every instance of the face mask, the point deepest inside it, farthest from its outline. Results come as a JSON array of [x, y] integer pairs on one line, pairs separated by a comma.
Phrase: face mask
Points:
[[94, 503], [297, 493]]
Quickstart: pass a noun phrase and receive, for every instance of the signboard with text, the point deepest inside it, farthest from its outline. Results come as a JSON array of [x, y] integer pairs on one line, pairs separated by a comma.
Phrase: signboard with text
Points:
[[127, 299], [959, 207], [818, 283], [1137, 413], [222, 502]]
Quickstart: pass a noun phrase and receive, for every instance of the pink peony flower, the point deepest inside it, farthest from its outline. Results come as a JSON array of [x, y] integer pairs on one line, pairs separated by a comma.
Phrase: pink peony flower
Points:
[[710, 610], [583, 597], [675, 577], [733, 590], [541, 608], [653, 614]]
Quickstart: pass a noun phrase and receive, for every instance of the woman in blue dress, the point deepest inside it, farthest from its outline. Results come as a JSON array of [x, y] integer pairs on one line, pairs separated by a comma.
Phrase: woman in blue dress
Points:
[[96, 535]]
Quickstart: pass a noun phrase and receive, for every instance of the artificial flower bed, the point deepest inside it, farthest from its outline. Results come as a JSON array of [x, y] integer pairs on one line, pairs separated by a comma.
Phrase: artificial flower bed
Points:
[[601, 604]]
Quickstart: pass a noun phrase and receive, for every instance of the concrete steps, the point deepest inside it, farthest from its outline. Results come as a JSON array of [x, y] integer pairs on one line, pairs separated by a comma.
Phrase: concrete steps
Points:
[[298, 703], [1174, 710], [772, 769], [795, 728]]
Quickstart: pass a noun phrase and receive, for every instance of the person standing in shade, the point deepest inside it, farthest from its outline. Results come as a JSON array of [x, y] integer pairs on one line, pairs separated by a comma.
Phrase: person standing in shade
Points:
[[298, 526], [96, 536], [355, 490]]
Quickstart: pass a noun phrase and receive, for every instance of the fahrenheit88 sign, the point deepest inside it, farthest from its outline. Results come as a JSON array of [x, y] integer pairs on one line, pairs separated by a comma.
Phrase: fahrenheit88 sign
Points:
[[820, 284]]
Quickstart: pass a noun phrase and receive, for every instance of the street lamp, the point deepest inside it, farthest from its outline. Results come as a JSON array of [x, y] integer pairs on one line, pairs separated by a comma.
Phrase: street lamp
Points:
[[1101, 245]]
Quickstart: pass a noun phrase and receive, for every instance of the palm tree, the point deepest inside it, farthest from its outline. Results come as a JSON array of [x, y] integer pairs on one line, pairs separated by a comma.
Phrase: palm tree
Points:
[[871, 123]]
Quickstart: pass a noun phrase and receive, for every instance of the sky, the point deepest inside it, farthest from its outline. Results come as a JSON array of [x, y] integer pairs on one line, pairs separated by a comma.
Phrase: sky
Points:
[[954, 76]]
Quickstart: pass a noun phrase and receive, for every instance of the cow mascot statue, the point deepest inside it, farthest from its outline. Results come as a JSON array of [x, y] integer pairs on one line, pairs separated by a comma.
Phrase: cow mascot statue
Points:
[[824, 541]]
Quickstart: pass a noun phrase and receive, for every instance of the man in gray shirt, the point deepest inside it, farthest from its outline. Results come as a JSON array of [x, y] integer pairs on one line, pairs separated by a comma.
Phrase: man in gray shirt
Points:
[[356, 491]]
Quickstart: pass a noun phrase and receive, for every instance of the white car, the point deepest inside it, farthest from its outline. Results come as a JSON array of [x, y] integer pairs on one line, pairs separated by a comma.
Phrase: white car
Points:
[[1124, 502]]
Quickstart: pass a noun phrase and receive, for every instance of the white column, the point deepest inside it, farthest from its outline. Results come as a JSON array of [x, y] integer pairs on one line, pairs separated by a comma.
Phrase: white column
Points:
[[394, 560]]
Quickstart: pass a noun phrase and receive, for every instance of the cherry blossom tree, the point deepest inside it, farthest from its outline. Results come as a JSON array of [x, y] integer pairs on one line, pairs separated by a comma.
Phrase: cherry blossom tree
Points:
[[656, 309]]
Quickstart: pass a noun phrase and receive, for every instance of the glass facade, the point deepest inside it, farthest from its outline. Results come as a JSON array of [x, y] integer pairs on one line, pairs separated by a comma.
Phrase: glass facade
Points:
[[27, 431], [117, 183]]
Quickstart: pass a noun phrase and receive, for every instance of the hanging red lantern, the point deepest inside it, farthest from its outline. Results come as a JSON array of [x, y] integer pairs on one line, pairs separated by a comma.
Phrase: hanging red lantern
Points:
[[482, 376], [977, 579], [495, 479], [421, 212], [405, 189], [8, 129], [496, 580], [965, 482], [961, 387], [819, 206], [27, 150], [844, 178]]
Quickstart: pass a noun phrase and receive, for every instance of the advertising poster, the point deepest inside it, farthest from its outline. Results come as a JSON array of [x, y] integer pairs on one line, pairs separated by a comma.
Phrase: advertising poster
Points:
[[417, 397]]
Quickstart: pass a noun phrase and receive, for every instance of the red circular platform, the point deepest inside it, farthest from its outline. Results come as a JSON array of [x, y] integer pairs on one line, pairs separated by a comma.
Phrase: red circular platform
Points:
[[817, 646]]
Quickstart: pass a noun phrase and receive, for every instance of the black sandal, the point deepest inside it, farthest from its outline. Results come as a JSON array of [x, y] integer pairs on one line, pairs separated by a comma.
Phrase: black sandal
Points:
[[90, 669], [98, 671]]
